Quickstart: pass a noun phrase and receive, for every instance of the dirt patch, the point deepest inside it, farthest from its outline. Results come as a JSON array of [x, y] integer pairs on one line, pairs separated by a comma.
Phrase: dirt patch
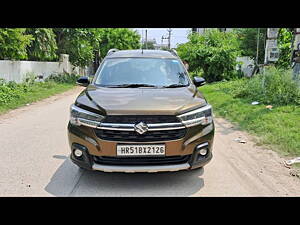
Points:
[[260, 169]]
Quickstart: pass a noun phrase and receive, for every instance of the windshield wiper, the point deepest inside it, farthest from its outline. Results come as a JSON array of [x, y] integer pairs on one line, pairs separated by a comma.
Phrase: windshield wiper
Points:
[[175, 85], [131, 85]]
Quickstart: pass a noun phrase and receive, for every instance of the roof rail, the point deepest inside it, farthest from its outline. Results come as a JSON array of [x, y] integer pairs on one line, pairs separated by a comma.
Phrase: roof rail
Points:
[[111, 51], [174, 52]]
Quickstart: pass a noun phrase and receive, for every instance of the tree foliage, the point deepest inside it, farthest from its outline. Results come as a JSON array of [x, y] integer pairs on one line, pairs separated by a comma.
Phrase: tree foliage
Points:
[[83, 45], [214, 53], [13, 43], [76, 43], [247, 38], [43, 47], [120, 38], [284, 42]]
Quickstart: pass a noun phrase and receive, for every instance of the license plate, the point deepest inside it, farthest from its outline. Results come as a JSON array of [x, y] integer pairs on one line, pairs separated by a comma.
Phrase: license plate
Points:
[[141, 150]]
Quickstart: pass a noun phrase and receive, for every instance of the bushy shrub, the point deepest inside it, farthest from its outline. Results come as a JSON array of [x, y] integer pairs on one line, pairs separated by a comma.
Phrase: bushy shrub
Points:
[[10, 91], [29, 78], [214, 53], [63, 78], [274, 86]]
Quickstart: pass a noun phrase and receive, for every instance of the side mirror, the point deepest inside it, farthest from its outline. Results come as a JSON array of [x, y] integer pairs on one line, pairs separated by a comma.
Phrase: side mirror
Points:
[[199, 81], [83, 81]]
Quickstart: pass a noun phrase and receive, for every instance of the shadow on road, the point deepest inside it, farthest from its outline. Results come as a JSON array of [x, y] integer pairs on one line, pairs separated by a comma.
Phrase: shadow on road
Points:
[[69, 180]]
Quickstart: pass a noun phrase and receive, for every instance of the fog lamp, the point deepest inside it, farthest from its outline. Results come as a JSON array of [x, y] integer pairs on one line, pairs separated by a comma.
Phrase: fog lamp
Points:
[[203, 151], [77, 153]]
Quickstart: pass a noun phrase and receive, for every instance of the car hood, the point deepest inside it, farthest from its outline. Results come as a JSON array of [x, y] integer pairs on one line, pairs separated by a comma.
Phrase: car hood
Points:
[[145, 101]]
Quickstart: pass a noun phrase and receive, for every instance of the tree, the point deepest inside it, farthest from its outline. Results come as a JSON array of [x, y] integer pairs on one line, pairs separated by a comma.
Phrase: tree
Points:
[[247, 38], [214, 53], [120, 38], [75, 42], [43, 47], [149, 45], [13, 43], [87, 45]]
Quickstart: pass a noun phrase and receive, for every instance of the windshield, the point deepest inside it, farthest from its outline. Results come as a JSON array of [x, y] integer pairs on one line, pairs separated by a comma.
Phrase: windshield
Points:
[[128, 72]]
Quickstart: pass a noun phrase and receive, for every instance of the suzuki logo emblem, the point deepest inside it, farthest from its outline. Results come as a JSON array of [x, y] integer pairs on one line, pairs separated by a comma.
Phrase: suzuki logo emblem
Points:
[[141, 127]]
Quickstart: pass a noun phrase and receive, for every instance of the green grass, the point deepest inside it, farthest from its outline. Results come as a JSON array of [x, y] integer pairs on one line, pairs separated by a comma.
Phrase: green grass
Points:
[[278, 128], [36, 92]]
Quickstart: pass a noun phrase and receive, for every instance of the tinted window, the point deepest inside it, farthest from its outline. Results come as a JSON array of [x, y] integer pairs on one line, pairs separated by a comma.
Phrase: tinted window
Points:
[[150, 71]]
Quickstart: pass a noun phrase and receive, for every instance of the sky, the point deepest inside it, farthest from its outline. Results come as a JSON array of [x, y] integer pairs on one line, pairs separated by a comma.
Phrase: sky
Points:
[[178, 35]]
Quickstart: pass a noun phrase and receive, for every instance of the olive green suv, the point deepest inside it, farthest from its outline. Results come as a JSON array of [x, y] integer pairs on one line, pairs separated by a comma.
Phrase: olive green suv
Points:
[[141, 112]]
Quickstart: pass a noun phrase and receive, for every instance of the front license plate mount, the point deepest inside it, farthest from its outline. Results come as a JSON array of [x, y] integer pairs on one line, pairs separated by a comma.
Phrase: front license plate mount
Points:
[[141, 150]]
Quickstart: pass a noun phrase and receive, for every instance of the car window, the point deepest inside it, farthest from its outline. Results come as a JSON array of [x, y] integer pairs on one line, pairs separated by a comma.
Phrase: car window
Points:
[[150, 71]]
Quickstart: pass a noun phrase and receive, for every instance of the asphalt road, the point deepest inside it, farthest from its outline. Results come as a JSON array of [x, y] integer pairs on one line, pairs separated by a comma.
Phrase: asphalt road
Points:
[[35, 162]]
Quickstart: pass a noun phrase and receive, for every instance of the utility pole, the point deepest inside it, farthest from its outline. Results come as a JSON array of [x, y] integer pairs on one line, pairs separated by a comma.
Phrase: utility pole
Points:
[[146, 39], [169, 38], [142, 38], [257, 47]]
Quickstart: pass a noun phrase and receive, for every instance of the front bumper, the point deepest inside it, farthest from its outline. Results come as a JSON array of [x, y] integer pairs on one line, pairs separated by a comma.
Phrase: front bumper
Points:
[[86, 161], [84, 138]]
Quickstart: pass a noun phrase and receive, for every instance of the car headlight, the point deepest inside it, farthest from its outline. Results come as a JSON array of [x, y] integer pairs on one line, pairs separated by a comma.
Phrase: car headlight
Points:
[[201, 116], [79, 116]]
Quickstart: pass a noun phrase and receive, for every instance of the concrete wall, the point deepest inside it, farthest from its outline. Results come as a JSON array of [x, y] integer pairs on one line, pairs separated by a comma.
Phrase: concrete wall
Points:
[[17, 70]]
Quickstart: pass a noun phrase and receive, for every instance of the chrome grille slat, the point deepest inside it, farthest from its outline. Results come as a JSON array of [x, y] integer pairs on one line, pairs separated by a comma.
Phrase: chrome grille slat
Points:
[[123, 128]]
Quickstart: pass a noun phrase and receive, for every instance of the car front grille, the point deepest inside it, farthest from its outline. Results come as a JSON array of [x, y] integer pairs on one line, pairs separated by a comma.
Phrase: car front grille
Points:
[[106, 160], [129, 119], [149, 136]]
